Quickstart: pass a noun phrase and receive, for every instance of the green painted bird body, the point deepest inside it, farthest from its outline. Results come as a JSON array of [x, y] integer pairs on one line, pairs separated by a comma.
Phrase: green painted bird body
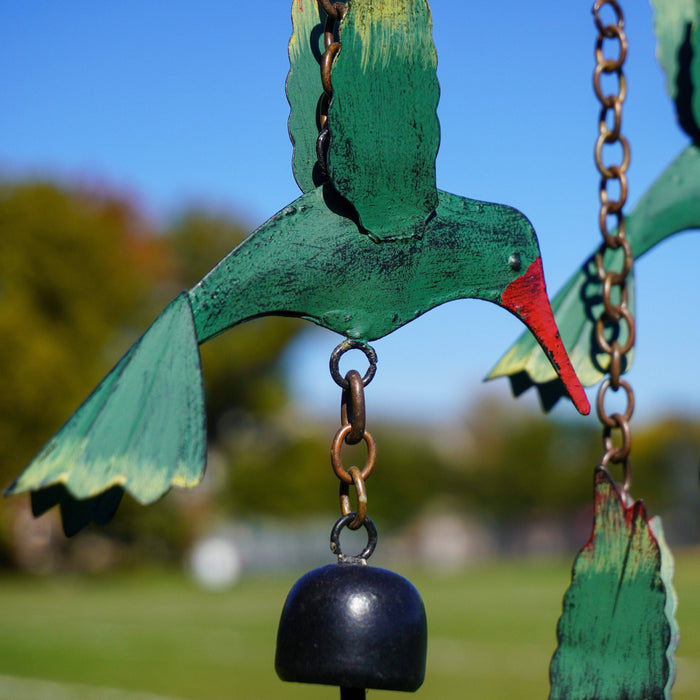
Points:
[[366, 252]]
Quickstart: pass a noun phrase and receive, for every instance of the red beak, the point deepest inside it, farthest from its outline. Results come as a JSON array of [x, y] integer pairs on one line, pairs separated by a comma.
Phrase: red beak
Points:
[[527, 298]]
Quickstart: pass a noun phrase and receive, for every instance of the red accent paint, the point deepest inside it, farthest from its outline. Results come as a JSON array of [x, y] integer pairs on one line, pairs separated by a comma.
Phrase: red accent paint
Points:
[[527, 298]]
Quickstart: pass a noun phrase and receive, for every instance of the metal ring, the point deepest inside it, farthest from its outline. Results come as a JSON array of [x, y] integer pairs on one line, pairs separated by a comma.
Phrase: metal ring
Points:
[[344, 494], [613, 310], [352, 407], [612, 172], [608, 100], [366, 553], [616, 242], [624, 489], [322, 143], [336, 462], [329, 32], [613, 206], [603, 28], [600, 332], [615, 454], [603, 127], [326, 63], [335, 10], [341, 349], [611, 65], [603, 415], [611, 240]]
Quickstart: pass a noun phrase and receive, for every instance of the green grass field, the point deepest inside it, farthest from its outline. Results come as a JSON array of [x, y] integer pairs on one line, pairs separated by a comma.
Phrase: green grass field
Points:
[[491, 635]]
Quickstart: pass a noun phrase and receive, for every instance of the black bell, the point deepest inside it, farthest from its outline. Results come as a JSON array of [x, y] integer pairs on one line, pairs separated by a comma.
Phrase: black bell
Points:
[[353, 625]]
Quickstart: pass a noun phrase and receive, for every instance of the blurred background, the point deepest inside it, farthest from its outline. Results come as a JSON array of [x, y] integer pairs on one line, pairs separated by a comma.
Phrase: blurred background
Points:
[[138, 146]]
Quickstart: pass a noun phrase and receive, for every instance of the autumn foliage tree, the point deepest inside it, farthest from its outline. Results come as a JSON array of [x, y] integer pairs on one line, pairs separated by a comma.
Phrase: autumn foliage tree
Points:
[[77, 272]]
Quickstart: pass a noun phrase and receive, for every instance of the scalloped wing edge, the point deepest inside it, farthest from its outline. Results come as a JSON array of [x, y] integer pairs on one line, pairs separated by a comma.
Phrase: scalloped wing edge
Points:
[[142, 430]]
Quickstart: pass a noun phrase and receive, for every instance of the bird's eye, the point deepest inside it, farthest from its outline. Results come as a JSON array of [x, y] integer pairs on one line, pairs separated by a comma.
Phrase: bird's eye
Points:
[[515, 262]]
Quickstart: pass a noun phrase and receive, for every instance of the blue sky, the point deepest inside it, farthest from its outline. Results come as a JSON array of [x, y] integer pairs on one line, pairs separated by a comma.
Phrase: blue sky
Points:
[[178, 103]]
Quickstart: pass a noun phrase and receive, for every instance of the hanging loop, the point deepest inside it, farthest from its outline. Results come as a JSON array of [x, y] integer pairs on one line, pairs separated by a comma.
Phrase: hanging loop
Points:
[[340, 350], [371, 529]]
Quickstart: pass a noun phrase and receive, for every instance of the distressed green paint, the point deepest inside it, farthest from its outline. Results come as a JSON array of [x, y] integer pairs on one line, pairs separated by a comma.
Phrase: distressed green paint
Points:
[[141, 430], [311, 262], [614, 632], [304, 89], [677, 28], [384, 131], [670, 205]]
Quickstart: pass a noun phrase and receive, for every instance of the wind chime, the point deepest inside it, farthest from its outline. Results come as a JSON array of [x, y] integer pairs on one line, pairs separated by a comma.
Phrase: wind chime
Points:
[[370, 245]]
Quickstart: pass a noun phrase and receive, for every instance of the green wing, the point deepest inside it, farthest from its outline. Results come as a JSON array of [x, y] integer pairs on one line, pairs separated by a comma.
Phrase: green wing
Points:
[[614, 633], [142, 430], [304, 89], [382, 118], [670, 205]]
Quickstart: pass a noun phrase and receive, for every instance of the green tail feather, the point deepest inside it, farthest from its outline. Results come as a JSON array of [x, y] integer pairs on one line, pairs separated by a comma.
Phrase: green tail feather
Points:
[[142, 430]]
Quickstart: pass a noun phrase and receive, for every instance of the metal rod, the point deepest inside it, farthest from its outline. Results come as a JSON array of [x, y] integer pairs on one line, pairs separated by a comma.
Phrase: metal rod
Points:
[[352, 694]]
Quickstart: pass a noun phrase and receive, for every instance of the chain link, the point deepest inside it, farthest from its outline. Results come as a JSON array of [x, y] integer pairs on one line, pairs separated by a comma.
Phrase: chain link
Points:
[[335, 11], [353, 430], [609, 325]]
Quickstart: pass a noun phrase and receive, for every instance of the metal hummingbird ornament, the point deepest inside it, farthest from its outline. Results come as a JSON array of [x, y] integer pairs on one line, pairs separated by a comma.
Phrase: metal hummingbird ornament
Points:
[[618, 633], [671, 205], [369, 246]]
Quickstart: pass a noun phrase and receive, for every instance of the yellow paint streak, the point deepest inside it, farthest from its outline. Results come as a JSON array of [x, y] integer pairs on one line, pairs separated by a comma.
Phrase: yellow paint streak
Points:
[[392, 30], [305, 16], [66, 466]]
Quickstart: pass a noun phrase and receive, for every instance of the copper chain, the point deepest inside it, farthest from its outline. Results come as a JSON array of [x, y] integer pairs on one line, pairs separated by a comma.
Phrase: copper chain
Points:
[[352, 431], [335, 11], [616, 312]]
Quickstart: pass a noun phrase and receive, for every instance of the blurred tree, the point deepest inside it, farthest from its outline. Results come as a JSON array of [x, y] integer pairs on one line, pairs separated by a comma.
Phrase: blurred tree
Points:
[[242, 372], [76, 274], [82, 274]]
